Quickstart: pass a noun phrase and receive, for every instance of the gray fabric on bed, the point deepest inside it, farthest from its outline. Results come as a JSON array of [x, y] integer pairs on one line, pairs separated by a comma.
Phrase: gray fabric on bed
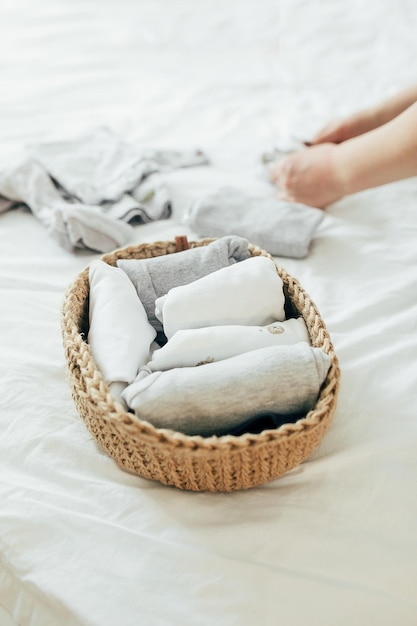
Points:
[[86, 190], [282, 228]]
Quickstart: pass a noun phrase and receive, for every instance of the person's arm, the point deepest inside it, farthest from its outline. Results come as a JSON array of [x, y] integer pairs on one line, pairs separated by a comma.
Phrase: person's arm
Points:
[[367, 119], [322, 174], [384, 155]]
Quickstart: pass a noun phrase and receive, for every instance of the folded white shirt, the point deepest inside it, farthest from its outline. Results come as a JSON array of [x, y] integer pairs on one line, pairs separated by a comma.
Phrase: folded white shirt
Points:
[[196, 346], [247, 293], [120, 335]]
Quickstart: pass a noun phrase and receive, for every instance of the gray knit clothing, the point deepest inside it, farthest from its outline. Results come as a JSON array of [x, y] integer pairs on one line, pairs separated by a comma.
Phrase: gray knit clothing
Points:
[[215, 398], [88, 190], [281, 228]]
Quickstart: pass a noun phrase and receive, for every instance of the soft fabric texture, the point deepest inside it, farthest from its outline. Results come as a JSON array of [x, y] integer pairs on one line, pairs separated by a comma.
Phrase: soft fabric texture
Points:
[[83, 190], [101, 166], [215, 398], [331, 543], [248, 293], [116, 388], [334, 541], [154, 277], [71, 224], [188, 348], [119, 335], [282, 228]]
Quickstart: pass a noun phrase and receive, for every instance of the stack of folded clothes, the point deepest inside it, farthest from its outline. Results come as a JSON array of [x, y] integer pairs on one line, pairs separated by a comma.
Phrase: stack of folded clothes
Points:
[[198, 341]]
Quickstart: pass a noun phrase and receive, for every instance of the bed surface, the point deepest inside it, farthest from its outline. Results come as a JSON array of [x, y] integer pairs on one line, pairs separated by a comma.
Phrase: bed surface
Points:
[[335, 540]]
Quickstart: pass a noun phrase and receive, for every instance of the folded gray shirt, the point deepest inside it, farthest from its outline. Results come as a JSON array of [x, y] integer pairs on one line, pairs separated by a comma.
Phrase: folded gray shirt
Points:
[[155, 276], [282, 228], [215, 398]]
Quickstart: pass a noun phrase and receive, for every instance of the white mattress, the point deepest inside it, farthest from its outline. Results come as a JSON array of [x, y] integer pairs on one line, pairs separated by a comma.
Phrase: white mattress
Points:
[[335, 540]]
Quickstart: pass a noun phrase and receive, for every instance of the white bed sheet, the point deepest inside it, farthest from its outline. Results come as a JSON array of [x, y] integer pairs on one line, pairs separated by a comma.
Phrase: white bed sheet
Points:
[[335, 540]]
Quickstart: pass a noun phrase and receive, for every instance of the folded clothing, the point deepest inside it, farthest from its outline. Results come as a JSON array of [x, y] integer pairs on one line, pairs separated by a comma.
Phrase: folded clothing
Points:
[[155, 276], [215, 398], [119, 334], [246, 293], [282, 228], [191, 347]]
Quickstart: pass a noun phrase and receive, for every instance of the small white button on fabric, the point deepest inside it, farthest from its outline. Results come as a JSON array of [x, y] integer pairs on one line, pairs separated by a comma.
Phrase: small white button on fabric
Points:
[[276, 329]]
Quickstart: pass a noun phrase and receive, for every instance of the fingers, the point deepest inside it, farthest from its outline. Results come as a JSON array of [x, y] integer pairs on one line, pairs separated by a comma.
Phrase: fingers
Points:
[[308, 176], [331, 133], [276, 176], [275, 172], [324, 136]]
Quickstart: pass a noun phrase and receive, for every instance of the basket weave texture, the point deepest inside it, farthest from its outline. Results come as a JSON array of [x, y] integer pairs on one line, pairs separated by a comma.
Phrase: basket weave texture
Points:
[[195, 463]]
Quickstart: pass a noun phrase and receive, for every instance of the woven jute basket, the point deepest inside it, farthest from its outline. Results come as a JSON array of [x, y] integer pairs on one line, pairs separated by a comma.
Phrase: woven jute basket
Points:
[[195, 463]]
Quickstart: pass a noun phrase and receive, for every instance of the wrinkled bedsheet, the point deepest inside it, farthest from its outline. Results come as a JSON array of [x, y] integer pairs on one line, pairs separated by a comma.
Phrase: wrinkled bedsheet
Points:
[[335, 540]]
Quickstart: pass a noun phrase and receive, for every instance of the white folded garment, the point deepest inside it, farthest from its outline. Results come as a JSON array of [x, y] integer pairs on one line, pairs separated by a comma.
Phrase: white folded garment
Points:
[[216, 398], [155, 276], [246, 293], [120, 335], [191, 347]]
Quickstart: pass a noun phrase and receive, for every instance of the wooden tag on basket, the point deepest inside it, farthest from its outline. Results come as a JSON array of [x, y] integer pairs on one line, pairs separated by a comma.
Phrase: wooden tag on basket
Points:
[[182, 243]]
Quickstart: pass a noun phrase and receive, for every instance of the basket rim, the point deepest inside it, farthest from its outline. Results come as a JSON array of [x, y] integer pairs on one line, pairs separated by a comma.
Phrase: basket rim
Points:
[[128, 424]]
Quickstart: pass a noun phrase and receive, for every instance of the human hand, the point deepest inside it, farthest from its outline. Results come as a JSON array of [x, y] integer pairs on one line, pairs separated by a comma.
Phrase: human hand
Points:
[[354, 125], [334, 132], [310, 176]]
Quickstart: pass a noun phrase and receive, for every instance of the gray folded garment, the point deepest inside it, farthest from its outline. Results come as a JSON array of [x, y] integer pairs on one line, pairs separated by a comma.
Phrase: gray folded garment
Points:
[[282, 228], [215, 398], [155, 276]]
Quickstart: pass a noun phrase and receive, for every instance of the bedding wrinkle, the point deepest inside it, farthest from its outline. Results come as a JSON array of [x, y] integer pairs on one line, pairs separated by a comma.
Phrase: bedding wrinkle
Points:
[[339, 528], [27, 600], [371, 592], [11, 284]]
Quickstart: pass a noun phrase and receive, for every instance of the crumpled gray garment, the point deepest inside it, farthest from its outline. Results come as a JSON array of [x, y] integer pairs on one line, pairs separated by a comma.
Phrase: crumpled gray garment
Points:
[[87, 190], [282, 228]]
